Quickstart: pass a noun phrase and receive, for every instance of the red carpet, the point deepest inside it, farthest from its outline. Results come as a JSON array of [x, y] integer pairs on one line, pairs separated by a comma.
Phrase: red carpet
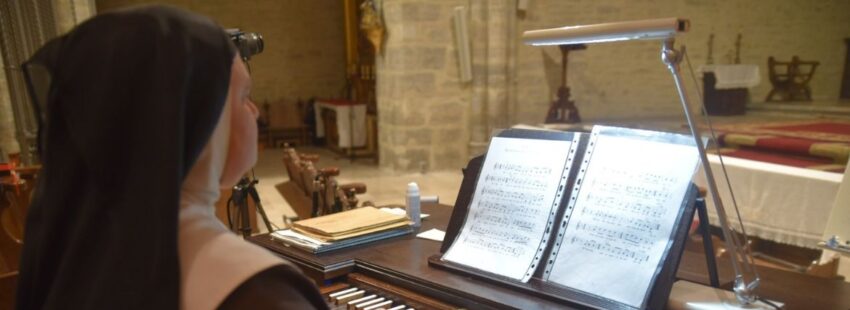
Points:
[[784, 159], [818, 129], [836, 128], [817, 144]]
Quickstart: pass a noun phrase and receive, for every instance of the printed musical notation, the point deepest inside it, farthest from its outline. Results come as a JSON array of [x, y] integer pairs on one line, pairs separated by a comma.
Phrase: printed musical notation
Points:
[[508, 210], [516, 181], [613, 251], [511, 207], [522, 169], [624, 211]]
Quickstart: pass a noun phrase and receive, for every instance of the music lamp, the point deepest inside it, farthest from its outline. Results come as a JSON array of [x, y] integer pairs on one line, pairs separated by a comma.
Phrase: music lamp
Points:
[[665, 30]]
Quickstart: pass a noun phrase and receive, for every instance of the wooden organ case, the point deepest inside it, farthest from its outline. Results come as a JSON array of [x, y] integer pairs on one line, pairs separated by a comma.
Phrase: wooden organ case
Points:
[[397, 269], [395, 273]]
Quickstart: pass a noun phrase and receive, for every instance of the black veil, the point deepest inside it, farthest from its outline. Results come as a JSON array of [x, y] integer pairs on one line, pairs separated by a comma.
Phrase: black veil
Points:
[[134, 96]]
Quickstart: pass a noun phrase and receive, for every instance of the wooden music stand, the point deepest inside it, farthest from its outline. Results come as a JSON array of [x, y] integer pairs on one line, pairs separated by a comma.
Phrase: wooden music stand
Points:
[[539, 287], [563, 110]]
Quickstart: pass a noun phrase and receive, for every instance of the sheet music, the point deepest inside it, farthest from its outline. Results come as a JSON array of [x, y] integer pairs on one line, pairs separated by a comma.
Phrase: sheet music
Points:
[[624, 211], [513, 207]]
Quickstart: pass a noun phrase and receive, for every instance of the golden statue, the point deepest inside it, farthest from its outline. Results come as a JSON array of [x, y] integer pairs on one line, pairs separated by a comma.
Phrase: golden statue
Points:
[[371, 24]]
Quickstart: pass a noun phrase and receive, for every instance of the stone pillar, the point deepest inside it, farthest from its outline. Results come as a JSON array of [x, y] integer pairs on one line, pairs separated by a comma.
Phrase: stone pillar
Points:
[[478, 119], [497, 64], [492, 26], [8, 143], [422, 105], [70, 13]]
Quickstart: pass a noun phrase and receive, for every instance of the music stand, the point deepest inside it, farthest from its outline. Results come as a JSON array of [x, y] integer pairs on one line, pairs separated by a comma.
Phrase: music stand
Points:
[[664, 29]]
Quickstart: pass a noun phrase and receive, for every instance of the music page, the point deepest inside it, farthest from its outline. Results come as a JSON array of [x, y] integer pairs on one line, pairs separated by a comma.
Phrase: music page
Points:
[[517, 194], [624, 209]]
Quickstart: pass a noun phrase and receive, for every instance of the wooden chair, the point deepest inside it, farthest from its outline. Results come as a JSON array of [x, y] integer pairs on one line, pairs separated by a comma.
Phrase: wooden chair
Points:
[[790, 79], [14, 204], [331, 131], [15, 198], [309, 180], [315, 189], [348, 194], [327, 193], [294, 162], [298, 190], [284, 123]]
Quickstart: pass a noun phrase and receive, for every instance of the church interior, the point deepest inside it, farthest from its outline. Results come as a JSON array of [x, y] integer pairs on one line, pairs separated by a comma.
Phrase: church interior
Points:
[[360, 98]]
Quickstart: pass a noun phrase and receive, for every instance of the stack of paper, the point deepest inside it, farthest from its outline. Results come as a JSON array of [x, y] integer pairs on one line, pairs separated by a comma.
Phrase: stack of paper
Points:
[[344, 229]]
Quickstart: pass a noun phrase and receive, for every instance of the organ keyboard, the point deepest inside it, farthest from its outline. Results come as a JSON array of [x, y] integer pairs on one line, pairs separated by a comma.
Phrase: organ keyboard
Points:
[[361, 292]]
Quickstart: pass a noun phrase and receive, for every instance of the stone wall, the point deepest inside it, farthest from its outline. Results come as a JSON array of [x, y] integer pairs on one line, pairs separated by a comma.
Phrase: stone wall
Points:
[[422, 105], [513, 83], [627, 80], [304, 52], [428, 119], [69, 13], [8, 141]]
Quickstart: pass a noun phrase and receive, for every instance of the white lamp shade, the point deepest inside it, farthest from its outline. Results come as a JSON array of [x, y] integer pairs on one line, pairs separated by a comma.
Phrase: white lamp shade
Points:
[[648, 29]]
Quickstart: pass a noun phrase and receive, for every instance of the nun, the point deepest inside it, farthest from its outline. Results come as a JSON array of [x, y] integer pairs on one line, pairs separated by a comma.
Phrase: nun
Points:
[[148, 115]]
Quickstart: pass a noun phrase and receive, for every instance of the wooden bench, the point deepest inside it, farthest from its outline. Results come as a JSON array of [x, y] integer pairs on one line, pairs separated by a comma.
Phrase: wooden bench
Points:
[[306, 182]]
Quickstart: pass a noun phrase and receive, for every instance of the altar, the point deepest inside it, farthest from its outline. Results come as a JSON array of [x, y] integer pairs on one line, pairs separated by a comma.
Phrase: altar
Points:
[[343, 122], [780, 203], [726, 87]]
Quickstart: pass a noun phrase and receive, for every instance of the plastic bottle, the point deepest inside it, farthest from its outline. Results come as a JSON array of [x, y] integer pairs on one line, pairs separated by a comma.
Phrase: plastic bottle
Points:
[[413, 208]]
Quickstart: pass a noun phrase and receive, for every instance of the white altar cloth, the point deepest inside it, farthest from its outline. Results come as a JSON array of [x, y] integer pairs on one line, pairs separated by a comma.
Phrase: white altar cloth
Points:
[[350, 121], [734, 76], [780, 203]]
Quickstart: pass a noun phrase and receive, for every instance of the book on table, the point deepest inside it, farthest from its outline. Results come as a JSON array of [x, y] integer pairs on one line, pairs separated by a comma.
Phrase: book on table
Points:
[[344, 229]]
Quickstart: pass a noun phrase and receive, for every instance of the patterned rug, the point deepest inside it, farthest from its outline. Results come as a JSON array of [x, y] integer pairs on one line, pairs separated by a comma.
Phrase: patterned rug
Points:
[[822, 144]]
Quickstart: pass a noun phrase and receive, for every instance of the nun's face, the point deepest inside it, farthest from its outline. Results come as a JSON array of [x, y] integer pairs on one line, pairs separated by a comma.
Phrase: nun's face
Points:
[[242, 153]]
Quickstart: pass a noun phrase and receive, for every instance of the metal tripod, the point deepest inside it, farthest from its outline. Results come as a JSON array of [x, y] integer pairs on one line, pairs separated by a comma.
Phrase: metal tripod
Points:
[[239, 198]]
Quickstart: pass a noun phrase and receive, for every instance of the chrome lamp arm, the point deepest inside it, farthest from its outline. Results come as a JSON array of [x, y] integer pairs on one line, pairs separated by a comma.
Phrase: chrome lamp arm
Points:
[[744, 292]]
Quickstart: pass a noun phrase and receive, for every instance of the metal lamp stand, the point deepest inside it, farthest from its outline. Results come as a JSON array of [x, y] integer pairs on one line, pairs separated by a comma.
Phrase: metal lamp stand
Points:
[[745, 291]]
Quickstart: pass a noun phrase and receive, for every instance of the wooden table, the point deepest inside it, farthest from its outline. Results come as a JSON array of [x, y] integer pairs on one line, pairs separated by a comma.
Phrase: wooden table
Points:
[[338, 263], [405, 259]]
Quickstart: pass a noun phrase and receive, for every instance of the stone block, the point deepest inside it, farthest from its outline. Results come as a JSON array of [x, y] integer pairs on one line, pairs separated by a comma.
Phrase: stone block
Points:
[[412, 118], [419, 137], [414, 158], [388, 157], [448, 158], [416, 85], [449, 135], [405, 58], [445, 113], [392, 12], [420, 11], [407, 137]]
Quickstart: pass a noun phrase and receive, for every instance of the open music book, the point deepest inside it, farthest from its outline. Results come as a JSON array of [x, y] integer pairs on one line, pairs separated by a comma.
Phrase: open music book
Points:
[[594, 214]]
